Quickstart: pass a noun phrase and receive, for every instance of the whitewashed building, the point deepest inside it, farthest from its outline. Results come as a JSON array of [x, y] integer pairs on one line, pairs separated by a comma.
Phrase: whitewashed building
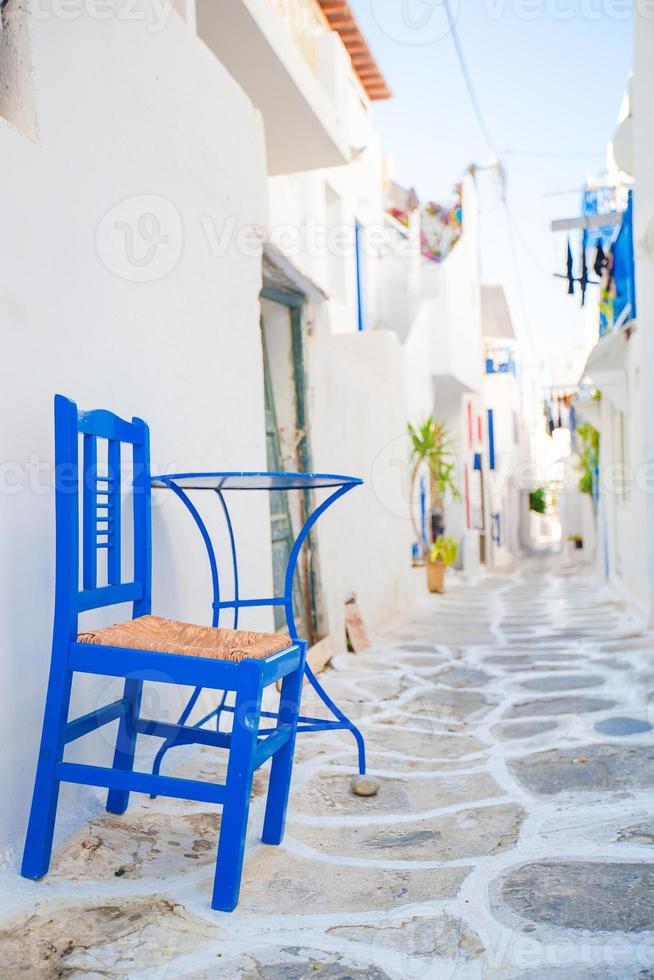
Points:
[[171, 168], [621, 363], [132, 270], [507, 441]]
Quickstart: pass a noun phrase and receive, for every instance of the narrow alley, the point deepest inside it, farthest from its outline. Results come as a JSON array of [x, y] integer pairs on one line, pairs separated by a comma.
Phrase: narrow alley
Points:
[[507, 722]]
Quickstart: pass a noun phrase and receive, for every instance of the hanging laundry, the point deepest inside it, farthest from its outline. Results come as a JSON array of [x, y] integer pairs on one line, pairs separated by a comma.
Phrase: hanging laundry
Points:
[[600, 259], [607, 295], [583, 278], [570, 275], [556, 415], [549, 421]]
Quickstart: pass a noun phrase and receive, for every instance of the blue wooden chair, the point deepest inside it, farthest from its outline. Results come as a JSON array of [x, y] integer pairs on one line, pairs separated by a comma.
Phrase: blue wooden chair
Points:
[[147, 648]]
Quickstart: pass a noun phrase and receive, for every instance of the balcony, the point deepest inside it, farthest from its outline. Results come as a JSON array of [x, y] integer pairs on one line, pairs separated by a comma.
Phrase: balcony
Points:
[[295, 69], [500, 361]]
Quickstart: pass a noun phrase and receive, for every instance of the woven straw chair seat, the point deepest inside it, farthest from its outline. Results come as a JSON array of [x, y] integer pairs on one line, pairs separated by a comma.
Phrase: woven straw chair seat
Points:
[[169, 636]]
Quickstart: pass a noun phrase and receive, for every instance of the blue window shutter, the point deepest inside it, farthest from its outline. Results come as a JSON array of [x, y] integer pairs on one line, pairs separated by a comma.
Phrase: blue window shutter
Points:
[[491, 439], [361, 276]]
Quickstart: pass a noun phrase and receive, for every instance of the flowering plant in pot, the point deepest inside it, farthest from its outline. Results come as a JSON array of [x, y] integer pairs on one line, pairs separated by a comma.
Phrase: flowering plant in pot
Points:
[[443, 553], [432, 449]]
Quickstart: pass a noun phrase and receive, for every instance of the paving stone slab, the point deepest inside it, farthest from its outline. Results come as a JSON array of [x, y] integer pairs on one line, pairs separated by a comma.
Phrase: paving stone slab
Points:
[[313, 745], [525, 660], [288, 963], [622, 726], [429, 648], [330, 793], [422, 660], [276, 882], [468, 833], [380, 764], [108, 938], [638, 642], [523, 729], [428, 744], [567, 634], [463, 677], [563, 682], [449, 704], [442, 935], [613, 663], [586, 895], [382, 687], [302, 971], [642, 833], [138, 844], [558, 706], [608, 768]]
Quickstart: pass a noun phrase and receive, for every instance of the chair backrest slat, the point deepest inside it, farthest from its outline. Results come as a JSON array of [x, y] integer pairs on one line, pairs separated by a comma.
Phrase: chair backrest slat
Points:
[[114, 518], [101, 511], [106, 425], [89, 512]]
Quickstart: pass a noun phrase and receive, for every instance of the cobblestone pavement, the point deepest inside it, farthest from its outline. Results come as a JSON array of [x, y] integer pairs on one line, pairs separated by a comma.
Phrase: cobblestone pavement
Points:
[[510, 725]]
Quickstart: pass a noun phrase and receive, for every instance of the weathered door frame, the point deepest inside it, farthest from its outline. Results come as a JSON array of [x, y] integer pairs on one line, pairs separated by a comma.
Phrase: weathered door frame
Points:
[[295, 303]]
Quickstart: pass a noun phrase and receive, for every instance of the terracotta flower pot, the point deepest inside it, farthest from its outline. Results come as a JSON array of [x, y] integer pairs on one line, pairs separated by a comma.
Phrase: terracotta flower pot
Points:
[[436, 576]]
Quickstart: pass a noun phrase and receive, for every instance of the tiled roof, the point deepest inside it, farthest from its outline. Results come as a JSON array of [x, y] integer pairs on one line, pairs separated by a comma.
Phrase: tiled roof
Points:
[[341, 19]]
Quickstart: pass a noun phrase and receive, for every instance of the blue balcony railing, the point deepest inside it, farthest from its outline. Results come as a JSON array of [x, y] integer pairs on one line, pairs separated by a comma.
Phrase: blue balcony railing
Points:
[[501, 364]]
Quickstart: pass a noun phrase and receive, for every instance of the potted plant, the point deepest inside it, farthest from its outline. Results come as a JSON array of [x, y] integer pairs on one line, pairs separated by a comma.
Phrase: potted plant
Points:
[[576, 540], [443, 554], [538, 500], [431, 447]]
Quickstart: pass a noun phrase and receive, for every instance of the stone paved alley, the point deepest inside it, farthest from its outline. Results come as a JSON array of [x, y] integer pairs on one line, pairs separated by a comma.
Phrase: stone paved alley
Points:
[[509, 723]]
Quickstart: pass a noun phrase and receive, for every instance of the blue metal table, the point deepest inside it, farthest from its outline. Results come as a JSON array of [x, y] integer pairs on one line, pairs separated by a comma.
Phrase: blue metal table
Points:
[[220, 484]]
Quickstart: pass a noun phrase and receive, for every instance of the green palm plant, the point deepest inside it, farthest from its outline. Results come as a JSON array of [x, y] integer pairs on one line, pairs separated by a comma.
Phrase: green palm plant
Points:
[[432, 446], [444, 549]]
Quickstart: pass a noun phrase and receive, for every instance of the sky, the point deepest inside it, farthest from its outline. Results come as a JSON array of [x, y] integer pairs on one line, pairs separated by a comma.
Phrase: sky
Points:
[[549, 76]]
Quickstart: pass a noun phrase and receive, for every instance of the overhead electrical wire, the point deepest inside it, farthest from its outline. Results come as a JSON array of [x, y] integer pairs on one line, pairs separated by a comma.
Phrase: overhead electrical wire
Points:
[[467, 78], [485, 131]]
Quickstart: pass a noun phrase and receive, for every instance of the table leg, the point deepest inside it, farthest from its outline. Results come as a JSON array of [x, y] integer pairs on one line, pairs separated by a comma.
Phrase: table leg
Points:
[[336, 711], [342, 722]]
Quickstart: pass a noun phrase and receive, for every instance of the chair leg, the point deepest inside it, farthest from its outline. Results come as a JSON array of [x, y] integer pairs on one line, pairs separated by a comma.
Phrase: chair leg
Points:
[[40, 829], [282, 764], [118, 799], [240, 770]]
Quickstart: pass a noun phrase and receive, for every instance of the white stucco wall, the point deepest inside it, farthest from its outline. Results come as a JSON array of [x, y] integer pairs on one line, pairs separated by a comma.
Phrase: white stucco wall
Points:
[[122, 112], [357, 405], [624, 495], [450, 302], [643, 131], [451, 292], [312, 218], [502, 396]]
